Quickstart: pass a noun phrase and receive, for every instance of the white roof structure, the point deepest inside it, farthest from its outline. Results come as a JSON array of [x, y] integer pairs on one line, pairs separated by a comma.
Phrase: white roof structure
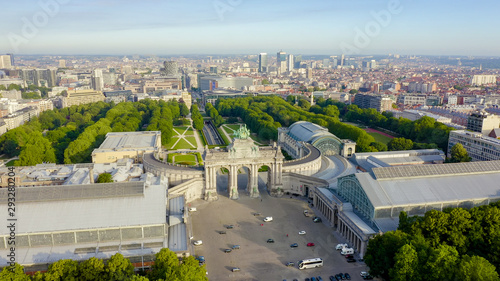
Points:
[[308, 132], [147, 140], [424, 187]]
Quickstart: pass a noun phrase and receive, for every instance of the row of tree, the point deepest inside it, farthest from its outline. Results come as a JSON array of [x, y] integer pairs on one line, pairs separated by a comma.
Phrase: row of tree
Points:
[[214, 114], [167, 267], [266, 114], [198, 122], [70, 134], [455, 244]]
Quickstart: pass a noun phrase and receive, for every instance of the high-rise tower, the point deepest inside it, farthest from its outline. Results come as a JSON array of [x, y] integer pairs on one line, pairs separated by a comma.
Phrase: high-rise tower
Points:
[[262, 62], [281, 62]]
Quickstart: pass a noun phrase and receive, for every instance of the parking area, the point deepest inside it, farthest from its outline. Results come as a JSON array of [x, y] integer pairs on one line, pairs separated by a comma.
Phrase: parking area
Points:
[[257, 259]]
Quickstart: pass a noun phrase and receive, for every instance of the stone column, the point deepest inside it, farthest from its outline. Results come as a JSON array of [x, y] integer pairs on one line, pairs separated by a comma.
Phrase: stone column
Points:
[[233, 182], [254, 183]]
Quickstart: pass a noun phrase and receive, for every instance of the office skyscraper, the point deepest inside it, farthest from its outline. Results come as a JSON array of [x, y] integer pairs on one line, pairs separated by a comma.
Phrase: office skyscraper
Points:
[[342, 60], [297, 61], [290, 63], [97, 80], [5, 61], [263, 62], [171, 68], [281, 62]]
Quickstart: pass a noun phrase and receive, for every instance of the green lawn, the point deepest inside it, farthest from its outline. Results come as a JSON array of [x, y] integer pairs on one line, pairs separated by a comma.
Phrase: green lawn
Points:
[[234, 127], [185, 159], [182, 144], [223, 136], [192, 140], [180, 130], [380, 138]]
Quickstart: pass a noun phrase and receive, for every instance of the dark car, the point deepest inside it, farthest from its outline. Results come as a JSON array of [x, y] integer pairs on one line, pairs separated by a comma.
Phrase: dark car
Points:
[[235, 247], [319, 278], [314, 279], [332, 278], [222, 232], [351, 260], [256, 214], [348, 256], [368, 277], [290, 263], [227, 251], [316, 219], [347, 276], [270, 240], [230, 226], [307, 279], [341, 275], [294, 245]]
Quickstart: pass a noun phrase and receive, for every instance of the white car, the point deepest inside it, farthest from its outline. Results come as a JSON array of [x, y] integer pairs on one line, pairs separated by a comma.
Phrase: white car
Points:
[[268, 219], [302, 232], [341, 246], [198, 242], [192, 209]]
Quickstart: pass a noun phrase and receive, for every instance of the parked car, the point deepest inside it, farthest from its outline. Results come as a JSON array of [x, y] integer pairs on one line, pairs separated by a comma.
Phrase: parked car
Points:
[[236, 247], [306, 213], [270, 240], [235, 269], [310, 244], [341, 246], [319, 278], [256, 214], [294, 245], [290, 263], [347, 276], [316, 219], [368, 277], [332, 278], [302, 232], [198, 242], [227, 251], [267, 219], [351, 260], [192, 209], [222, 232], [201, 259], [349, 256], [230, 226]]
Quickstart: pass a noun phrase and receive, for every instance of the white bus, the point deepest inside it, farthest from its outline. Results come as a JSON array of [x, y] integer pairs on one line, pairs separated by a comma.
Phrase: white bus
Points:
[[310, 263]]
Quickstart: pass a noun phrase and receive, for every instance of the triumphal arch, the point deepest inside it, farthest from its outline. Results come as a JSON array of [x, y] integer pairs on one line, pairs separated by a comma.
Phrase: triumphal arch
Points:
[[243, 153]]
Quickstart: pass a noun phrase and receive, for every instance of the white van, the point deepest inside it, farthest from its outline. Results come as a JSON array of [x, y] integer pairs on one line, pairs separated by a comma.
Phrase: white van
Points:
[[268, 219], [192, 209], [347, 251]]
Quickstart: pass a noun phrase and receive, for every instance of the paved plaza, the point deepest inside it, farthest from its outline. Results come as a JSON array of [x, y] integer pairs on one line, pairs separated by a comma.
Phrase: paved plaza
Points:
[[258, 259]]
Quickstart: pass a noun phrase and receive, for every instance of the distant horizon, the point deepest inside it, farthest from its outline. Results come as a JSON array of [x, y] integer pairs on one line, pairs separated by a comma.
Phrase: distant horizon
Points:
[[96, 27], [255, 54]]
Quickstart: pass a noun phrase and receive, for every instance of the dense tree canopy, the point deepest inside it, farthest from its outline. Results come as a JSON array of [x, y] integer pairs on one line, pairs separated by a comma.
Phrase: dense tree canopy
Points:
[[459, 154], [456, 244]]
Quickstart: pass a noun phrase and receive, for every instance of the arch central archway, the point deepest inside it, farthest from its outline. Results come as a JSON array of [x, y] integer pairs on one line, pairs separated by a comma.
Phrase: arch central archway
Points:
[[243, 154]]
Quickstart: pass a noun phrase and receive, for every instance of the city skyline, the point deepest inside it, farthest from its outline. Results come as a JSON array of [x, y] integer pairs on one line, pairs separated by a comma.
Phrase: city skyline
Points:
[[404, 27]]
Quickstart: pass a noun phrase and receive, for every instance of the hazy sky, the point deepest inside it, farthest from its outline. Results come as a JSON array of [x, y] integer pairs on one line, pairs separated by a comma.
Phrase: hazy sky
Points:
[[166, 27]]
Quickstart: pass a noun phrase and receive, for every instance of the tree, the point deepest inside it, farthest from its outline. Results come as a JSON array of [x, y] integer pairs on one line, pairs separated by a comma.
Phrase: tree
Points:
[[14, 273], [353, 91], [379, 146], [104, 178], [476, 268], [442, 263], [91, 270], [381, 251], [400, 144], [62, 270], [405, 266], [459, 154], [184, 110], [265, 82], [165, 266], [118, 268]]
